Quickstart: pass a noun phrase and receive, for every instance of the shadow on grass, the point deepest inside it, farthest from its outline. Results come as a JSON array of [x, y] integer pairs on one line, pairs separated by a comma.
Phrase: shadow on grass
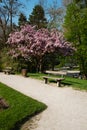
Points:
[[19, 124], [66, 83], [70, 84], [62, 83]]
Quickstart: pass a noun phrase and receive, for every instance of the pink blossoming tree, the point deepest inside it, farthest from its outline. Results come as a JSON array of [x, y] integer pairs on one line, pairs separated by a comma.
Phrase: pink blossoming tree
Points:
[[29, 42]]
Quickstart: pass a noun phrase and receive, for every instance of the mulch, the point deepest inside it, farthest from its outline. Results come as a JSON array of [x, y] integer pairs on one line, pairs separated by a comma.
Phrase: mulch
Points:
[[3, 104]]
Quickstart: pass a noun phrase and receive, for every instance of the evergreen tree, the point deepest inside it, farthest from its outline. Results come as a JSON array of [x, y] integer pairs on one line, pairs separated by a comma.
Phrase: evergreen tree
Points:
[[22, 19], [38, 17]]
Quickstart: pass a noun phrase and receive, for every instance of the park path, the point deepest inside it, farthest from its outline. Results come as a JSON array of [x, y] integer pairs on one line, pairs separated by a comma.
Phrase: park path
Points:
[[67, 108]]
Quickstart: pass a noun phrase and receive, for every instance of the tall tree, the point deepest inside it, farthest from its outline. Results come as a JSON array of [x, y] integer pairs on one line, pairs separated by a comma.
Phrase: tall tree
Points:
[[4, 19], [37, 17], [12, 7], [22, 19], [75, 26]]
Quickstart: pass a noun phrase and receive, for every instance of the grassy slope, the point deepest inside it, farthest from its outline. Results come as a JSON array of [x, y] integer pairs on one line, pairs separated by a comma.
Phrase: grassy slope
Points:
[[20, 108]]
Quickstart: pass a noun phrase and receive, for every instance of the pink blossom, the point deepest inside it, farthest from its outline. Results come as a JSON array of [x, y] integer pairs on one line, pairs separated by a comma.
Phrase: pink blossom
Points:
[[29, 41]]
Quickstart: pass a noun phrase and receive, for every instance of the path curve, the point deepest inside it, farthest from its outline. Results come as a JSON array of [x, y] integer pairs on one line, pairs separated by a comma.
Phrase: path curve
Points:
[[67, 108]]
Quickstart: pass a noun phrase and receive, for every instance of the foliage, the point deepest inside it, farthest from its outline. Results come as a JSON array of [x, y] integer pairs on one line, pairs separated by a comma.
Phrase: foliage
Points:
[[5, 60], [38, 17], [75, 25], [51, 60], [21, 41], [22, 19], [28, 43], [82, 59], [82, 3], [70, 22], [21, 108]]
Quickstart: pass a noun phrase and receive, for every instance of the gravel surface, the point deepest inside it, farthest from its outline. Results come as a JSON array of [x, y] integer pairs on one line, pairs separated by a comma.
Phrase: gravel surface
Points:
[[67, 108]]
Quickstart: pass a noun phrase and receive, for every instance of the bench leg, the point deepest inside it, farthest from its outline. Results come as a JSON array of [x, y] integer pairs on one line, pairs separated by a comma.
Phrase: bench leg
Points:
[[46, 80], [58, 84]]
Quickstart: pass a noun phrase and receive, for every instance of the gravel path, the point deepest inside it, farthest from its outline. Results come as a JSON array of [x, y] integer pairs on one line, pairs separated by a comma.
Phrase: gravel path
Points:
[[67, 108]]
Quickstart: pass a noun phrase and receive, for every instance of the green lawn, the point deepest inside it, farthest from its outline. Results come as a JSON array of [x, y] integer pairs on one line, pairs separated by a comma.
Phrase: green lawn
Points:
[[69, 81], [36, 75], [21, 108], [76, 83]]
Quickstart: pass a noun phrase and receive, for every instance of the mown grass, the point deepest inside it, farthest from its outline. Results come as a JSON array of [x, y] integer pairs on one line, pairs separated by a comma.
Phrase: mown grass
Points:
[[37, 75], [76, 83], [20, 108]]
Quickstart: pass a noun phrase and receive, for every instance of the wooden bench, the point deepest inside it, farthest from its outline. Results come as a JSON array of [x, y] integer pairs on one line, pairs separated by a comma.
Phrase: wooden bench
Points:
[[7, 70], [58, 80]]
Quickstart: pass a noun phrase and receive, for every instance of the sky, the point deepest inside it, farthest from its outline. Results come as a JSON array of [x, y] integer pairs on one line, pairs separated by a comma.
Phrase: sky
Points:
[[29, 5]]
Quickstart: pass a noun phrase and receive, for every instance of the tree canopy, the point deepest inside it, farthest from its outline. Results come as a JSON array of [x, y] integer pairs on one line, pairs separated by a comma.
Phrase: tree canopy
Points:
[[29, 42], [75, 30]]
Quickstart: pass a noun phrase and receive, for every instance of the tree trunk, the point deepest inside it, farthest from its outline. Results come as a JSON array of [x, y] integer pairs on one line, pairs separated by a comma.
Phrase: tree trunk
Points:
[[52, 67], [39, 66]]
